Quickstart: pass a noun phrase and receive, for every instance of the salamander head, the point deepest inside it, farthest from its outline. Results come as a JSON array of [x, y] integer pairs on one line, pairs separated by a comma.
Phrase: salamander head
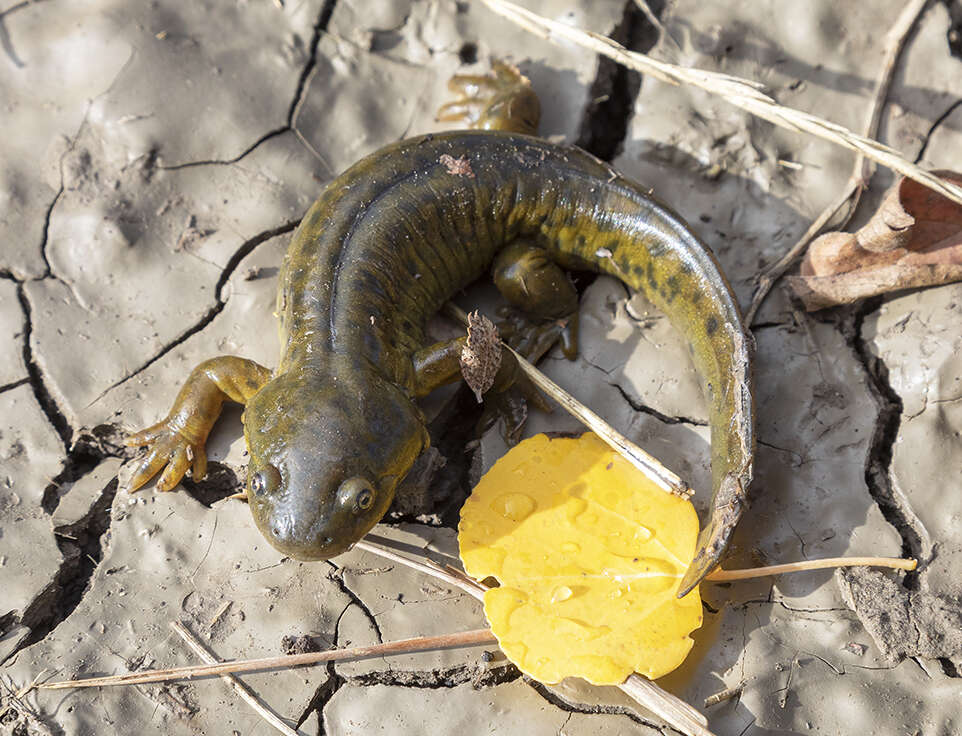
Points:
[[325, 458]]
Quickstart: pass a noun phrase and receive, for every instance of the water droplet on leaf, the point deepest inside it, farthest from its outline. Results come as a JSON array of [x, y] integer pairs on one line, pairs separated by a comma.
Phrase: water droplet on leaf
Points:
[[514, 506]]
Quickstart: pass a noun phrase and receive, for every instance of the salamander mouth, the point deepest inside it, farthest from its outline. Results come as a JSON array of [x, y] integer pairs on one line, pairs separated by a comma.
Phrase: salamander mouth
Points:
[[308, 543], [308, 550]]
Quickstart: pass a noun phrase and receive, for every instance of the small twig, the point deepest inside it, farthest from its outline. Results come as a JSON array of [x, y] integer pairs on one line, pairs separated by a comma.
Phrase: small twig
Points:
[[647, 464], [862, 169], [721, 576], [402, 646], [645, 8], [673, 710], [32, 685], [727, 694], [222, 609], [242, 690], [743, 93], [426, 566]]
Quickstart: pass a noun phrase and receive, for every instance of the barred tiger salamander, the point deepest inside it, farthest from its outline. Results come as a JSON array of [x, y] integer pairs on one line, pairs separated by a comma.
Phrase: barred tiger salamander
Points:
[[334, 428]]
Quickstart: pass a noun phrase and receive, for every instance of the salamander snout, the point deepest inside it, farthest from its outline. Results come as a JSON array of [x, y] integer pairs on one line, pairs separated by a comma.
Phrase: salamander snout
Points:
[[302, 541], [316, 524]]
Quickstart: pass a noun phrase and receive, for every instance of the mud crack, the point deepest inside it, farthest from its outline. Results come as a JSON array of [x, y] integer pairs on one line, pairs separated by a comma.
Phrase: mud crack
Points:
[[878, 462], [903, 620], [5, 40], [91, 448], [336, 576], [323, 19], [941, 118], [81, 545], [954, 33], [904, 624], [13, 384], [645, 409], [48, 216], [611, 97], [570, 706], [48, 404], [221, 301], [322, 696], [477, 675], [636, 405], [320, 26]]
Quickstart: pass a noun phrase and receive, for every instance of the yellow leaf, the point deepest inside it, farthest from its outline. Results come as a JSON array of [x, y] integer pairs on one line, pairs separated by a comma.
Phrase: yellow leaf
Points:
[[589, 555]]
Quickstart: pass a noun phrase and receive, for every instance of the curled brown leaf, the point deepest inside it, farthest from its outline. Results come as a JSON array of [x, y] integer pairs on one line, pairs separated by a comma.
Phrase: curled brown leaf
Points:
[[914, 239], [481, 354]]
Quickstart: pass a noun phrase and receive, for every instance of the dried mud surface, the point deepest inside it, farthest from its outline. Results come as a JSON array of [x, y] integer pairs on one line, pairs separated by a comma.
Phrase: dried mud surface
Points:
[[154, 168]]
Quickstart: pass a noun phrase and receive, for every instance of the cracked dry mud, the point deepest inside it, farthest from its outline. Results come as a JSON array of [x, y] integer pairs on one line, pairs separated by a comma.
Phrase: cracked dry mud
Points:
[[153, 170]]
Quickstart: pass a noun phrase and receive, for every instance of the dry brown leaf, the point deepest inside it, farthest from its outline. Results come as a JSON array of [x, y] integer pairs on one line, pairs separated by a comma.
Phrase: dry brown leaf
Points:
[[481, 354], [914, 239]]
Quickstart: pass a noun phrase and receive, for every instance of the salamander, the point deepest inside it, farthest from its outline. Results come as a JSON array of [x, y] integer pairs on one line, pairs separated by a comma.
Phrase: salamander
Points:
[[335, 427]]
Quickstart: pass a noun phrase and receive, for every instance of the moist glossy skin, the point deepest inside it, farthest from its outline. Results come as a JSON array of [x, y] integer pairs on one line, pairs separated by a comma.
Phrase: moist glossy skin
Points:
[[336, 427], [319, 433], [396, 235]]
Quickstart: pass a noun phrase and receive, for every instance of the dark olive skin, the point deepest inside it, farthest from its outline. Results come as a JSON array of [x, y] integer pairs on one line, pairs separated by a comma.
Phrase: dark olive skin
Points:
[[345, 443], [387, 243]]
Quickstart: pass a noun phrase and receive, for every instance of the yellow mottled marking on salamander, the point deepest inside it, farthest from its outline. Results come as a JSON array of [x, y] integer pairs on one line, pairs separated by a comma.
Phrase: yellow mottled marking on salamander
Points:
[[335, 428]]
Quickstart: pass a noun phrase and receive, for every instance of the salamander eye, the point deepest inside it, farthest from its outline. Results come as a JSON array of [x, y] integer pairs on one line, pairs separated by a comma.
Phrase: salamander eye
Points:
[[265, 481], [365, 499], [356, 493]]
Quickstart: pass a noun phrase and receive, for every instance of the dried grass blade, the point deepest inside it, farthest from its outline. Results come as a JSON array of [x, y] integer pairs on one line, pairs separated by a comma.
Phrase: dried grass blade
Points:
[[862, 170], [742, 93], [402, 646], [895, 563], [647, 464], [242, 690]]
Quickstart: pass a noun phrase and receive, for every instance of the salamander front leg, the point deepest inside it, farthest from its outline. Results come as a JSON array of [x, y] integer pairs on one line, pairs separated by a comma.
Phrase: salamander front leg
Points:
[[528, 278], [178, 441]]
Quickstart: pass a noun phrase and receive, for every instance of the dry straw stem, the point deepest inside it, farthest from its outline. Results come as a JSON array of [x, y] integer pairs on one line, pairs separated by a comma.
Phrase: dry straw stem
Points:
[[671, 709], [723, 576], [727, 694], [246, 695], [402, 646], [862, 169], [742, 93], [649, 695], [647, 464], [381, 546]]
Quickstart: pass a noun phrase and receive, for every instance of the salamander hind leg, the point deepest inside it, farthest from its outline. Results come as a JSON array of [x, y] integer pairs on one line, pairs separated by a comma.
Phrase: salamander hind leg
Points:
[[502, 100], [178, 442], [530, 281], [506, 403]]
